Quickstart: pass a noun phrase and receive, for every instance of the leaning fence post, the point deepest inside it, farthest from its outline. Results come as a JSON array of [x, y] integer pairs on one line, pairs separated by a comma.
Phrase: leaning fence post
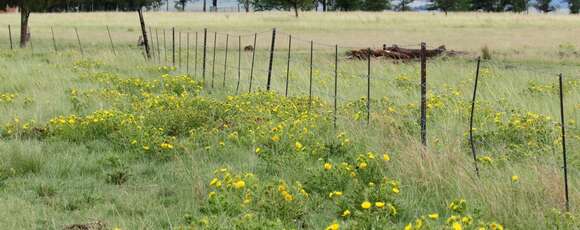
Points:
[[369, 87], [560, 78], [310, 75], [10, 37], [53, 39], [111, 40], [79, 40], [471, 141], [288, 66], [144, 32], [424, 93], [271, 59], [204, 54], [335, 84], [239, 63], [252, 65], [226, 60], [213, 60]]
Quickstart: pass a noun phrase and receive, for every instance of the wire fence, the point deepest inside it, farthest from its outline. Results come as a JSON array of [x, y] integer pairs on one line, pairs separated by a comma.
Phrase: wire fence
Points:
[[298, 66]]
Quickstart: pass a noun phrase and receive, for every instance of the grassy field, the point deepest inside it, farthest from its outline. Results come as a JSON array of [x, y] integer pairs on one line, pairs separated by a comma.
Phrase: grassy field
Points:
[[111, 138]]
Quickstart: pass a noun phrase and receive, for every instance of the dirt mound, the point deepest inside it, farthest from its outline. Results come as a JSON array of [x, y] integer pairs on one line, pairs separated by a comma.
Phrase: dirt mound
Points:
[[398, 53]]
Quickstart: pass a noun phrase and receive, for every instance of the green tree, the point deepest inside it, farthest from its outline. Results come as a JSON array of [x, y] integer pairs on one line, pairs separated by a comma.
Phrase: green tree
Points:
[[347, 5], [574, 6], [487, 5], [283, 5], [404, 5], [544, 5], [180, 4], [376, 5], [451, 5], [516, 5]]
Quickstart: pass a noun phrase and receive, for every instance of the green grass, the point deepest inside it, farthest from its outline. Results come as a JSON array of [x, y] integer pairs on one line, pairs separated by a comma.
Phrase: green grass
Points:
[[51, 180]]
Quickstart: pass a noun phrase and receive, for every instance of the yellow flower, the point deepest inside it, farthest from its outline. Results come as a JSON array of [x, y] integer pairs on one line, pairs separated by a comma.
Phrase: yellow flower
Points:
[[396, 190], [211, 194], [434, 216], [166, 146], [133, 142], [145, 147], [239, 184], [275, 138], [362, 165], [334, 226], [386, 157], [287, 196], [515, 178], [298, 146], [371, 155], [116, 228], [366, 205], [495, 226], [409, 227], [457, 226], [346, 213], [380, 204], [327, 166], [258, 150], [335, 194]]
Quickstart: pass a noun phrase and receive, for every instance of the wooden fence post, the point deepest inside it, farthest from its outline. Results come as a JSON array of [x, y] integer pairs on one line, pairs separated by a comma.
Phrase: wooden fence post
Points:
[[187, 55], [369, 87], [335, 85], [144, 32]]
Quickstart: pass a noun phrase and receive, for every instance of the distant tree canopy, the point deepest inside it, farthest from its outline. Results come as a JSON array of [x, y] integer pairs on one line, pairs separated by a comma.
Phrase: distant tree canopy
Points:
[[451, 5], [574, 6], [27, 7], [260, 5]]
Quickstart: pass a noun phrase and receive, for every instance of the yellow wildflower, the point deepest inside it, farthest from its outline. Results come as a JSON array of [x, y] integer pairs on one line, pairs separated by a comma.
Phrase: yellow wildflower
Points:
[[239, 184], [434, 216], [275, 138], [346, 213], [515, 178], [335, 194], [386, 157], [366, 205], [334, 226], [258, 150], [298, 146], [362, 165], [457, 226], [327, 166], [380, 204]]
